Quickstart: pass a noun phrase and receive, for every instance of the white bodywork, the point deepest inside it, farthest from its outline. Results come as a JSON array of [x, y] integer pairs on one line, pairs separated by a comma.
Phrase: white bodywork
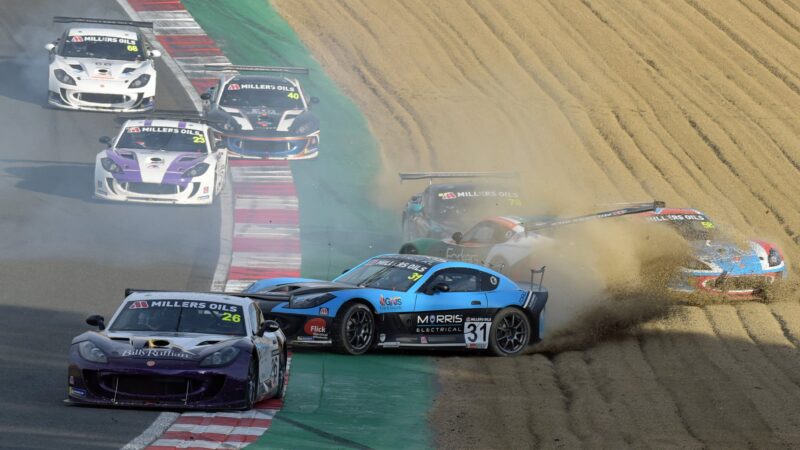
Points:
[[162, 178], [102, 84]]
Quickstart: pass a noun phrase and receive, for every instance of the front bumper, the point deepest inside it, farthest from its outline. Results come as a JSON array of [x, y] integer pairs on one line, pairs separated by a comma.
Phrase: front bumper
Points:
[[101, 95], [257, 146], [200, 191], [739, 286]]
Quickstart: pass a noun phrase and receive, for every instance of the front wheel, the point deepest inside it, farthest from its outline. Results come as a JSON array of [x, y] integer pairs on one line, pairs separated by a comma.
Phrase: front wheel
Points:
[[356, 331], [251, 396], [511, 332]]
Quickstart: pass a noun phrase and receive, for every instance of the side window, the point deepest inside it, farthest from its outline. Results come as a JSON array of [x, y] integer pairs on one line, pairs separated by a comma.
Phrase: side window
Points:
[[255, 318], [459, 280], [481, 233]]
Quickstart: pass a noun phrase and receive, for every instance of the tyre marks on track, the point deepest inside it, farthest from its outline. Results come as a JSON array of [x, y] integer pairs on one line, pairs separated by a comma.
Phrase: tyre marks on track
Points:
[[265, 239]]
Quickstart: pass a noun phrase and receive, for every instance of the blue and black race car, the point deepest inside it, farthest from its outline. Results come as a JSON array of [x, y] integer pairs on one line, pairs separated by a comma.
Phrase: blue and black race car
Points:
[[407, 301]]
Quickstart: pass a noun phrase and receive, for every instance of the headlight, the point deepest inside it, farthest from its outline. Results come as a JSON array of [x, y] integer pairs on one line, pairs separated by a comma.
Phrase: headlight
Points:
[[63, 77], [696, 264], [91, 352], [110, 165], [774, 257], [196, 171], [310, 300], [140, 81], [220, 357]]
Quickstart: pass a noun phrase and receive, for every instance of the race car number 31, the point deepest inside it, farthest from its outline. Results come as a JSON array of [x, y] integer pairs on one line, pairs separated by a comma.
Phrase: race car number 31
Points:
[[476, 332]]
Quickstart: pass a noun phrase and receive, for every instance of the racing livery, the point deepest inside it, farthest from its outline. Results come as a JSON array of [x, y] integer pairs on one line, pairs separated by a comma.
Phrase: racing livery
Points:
[[101, 68], [162, 161], [505, 243], [720, 266], [442, 209], [179, 350], [403, 301], [263, 117]]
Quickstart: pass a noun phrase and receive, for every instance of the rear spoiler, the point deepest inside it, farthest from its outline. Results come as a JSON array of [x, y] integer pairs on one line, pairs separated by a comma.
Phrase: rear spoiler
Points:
[[125, 23], [632, 208], [182, 115], [271, 296], [406, 176], [222, 67]]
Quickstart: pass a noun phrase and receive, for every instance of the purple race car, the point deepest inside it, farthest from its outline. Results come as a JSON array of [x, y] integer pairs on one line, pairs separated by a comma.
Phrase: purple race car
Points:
[[179, 350], [162, 161]]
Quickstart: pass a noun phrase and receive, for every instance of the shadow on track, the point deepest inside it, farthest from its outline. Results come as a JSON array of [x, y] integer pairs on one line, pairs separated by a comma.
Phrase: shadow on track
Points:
[[70, 180]]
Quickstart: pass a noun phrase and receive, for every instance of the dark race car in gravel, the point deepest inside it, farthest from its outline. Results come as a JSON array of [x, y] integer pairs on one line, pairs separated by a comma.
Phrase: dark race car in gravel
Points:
[[179, 350], [444, 208], [262, 116], [407, 301]]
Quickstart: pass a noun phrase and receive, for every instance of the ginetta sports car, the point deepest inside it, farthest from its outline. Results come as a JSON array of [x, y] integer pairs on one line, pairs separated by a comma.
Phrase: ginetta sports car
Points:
[[444, 208], [263, 117], [407, 301], [504, 243], [101, 68], [720, 266], [162, 161], [179, 350]]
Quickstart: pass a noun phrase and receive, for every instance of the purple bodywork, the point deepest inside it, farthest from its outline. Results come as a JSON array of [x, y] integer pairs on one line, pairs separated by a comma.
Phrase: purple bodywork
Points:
[[132, 172]]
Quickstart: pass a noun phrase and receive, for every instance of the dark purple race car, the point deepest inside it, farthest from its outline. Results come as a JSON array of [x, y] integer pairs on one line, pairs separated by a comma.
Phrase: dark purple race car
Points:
[[179, 350]]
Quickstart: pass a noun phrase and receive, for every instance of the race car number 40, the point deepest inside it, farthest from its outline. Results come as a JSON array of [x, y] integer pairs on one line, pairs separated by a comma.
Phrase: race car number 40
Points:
[[476, 332]]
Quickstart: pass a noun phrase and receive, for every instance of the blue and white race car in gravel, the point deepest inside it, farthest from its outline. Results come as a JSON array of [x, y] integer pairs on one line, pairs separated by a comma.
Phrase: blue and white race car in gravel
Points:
[[162, 161], [407, 301]]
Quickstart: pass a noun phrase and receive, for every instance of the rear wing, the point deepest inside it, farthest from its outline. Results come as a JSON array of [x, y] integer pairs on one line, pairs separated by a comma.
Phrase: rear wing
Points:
[[222, 67], [269, 296], [407, 176], [124, 23], [184, 116], [632, 208]]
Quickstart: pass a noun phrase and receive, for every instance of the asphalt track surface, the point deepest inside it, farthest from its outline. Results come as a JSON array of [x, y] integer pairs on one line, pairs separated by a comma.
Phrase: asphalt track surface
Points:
[[64, 255]]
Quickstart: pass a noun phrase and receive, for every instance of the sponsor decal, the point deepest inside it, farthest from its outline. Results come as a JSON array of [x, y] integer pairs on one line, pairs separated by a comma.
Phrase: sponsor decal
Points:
[[400, 264], [323, 311], [477, 331], [473, 194], [76, 39], [316, 327], [458, 254], [77, 392], [134, 130], [155, 353], [304, 338], [166, 130], [106, 39], [423, 339], [390, 345], [390, 303], [679, 217], [382, 337], [234, 87], [493, 280], [260, 87], [150, 363], [192, 304], [439, 323], [140, 304], [447, 195]]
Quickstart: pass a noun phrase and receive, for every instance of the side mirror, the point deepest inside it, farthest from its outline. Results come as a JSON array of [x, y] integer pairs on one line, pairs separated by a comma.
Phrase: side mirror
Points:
[[49, 46], [457, 237], [314, 100], [439, 287], [105, 140], [268, 326], [205, 96], [96, 321], [155, 53]]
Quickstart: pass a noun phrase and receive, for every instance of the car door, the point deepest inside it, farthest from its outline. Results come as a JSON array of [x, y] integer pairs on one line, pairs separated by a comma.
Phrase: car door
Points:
[[264, 347], [439, 316]]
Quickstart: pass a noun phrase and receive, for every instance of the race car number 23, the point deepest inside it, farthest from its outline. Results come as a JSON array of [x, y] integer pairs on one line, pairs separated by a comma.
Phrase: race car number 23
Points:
[[476, 332]]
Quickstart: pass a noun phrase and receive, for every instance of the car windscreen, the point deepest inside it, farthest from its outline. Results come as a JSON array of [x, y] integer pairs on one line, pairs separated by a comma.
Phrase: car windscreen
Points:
[[256, 95], [692, 227], [180, 316], [476, 203], [171, 139], [393, 274], [103, 47]]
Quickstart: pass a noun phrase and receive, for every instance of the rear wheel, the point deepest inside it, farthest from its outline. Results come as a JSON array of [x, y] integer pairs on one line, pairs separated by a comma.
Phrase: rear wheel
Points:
[[511, 332], [281, 376], [356, 330]]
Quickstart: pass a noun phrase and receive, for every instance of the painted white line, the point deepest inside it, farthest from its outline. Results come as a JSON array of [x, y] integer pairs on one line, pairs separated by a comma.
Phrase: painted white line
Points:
[[267, 202], [178, 443], [218, 429], [267, 231], [250, 414], [238, 285], [166, 57], [262, 260], [156, 429]]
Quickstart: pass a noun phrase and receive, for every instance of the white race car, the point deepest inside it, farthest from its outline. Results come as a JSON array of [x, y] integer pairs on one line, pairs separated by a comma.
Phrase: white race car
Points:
[[162, 161], [102, 68]]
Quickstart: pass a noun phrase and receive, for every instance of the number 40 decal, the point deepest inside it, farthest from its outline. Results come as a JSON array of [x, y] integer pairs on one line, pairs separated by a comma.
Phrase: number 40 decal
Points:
[[476, 332]]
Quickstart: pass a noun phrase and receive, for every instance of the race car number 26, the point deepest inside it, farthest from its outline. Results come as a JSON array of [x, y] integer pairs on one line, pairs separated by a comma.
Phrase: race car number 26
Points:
[[476, 332]]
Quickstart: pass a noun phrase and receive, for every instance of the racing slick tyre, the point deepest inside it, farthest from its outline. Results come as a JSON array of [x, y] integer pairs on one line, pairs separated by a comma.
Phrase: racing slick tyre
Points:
[[511, 332], [281, 377], [355, 332], [408, 249], [252, 385]]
